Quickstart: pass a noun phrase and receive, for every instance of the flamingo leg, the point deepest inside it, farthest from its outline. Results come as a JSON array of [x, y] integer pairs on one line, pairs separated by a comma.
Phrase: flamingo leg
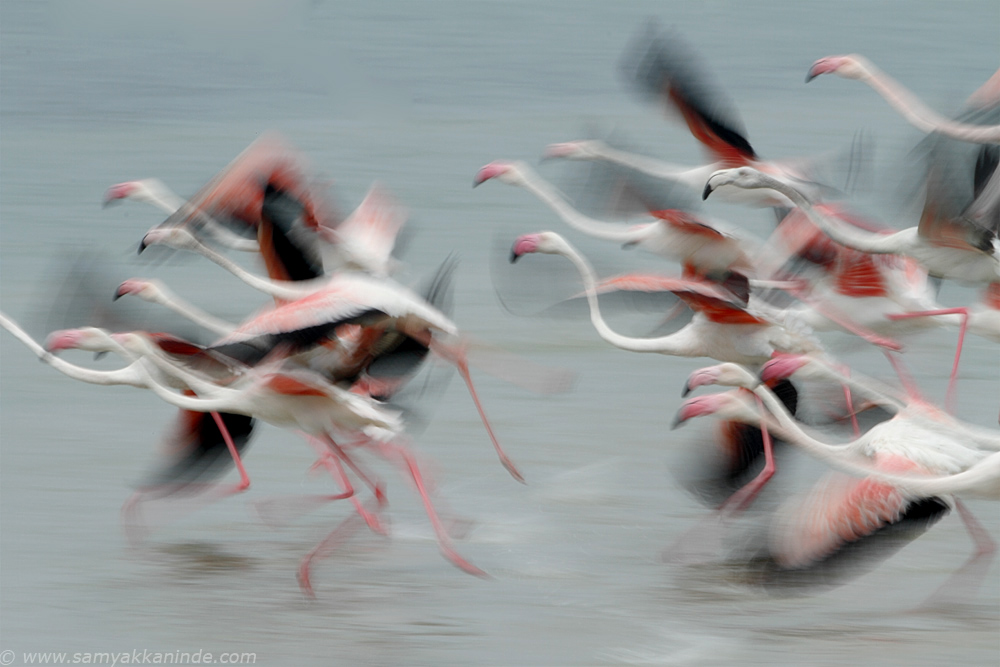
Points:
[[962, 586], [904, 376], [337, 536], [373, 483], [334, 466], [457, 356], [742, 499], [705, 540], [281, 511], [444, 541], [949, 400], [135, 527], [850, 404], [244, 483], [332, 458], [847, 323]]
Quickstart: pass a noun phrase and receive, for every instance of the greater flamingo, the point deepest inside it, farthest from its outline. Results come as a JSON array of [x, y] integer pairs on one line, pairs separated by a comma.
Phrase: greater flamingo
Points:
[[945, 247], [665, 68], [721, 329], [154, 191], [286, 397], [907, 104], [315, 308], [676, 234], [840, 514], [962, 252]]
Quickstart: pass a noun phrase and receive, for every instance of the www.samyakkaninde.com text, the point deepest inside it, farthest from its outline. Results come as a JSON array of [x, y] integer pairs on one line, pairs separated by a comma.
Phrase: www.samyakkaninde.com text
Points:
[[136, 657]]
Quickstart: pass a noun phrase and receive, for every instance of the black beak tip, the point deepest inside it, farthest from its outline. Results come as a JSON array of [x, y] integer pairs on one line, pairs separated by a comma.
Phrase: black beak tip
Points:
[[686, 390], [707, 191], [514, 256], [142, 246]]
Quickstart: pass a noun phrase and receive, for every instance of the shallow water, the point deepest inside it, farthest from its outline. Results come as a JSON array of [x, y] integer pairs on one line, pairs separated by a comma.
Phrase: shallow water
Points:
[[419, 96]]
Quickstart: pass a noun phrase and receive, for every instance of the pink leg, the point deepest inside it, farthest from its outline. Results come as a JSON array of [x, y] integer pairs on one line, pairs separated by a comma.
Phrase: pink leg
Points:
[[457, 356], [244, 478], [444, 541], [904, 376], [740, 500], [949, 400], [376, 485], [339, 534], [705, 540], [850, 403], [848, 324], [136, 529], [280, 511], [961, 587], [335, 467]]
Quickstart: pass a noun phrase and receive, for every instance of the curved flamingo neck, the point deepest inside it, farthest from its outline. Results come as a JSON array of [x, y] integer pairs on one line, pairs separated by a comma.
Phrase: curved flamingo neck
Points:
[[919, 114], [554, 200], [681, 343]]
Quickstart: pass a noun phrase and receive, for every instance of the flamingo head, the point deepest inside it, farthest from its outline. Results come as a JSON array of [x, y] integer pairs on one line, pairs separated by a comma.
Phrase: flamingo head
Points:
[[727, 375], [147, 290], [86, 338], [782, 366], [548, 243], [730, 405], [848, 67], [120, 191], [177, 238], [511, 173], [745, 178], [574, 150]]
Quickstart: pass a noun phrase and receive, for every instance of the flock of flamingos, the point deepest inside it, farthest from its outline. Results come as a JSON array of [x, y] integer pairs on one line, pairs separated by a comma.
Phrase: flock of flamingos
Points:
[[342, 337]]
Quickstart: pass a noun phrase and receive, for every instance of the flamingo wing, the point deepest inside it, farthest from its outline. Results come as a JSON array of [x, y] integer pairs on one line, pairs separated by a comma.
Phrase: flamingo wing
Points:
[[716, 302], [289, 247], [196, 450], [962, 199], [840, 522], [370, 232], [237, 192], [665, 66]]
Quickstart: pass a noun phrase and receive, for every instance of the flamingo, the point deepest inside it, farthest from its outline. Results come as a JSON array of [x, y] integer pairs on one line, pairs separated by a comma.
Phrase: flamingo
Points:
[[304, 400], [196, 442], [721, 328], [704, 252], [363, 241], [942, 246], [154, 291], [667, 69], [265, 190], [286, 397], [168, 361], [839, 514], [317, 307], [947, 249], [154, 191], [676, 234], [907, 104]]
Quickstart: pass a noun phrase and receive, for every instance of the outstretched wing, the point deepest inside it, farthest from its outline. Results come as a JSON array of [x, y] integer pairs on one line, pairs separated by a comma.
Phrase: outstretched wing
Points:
[[666, 67]]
